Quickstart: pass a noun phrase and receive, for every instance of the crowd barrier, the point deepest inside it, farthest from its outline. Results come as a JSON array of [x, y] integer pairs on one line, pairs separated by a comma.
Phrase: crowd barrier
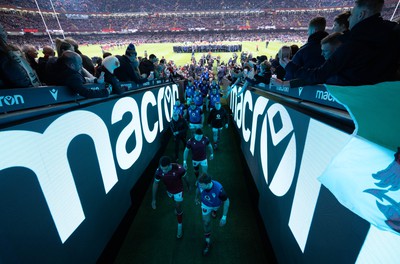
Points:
[[67, 168], [12, 100], [68, 164], [316, 182], [207, 48]]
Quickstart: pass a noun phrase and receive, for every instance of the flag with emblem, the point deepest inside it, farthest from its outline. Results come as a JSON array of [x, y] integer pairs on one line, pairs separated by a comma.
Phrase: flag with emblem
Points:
[[365, 175]]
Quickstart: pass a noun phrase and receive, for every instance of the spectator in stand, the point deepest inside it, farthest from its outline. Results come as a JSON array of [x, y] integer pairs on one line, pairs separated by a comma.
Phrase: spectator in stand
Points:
[[172, 175], [87, 62], [48, 52], [294, 48], [70, 74], [217, 119], [51, 70], [31, 55], [198, 144], [277, 69], [263, 76], [329, 45], [127, 72], [309, 55], [99, 61], [15, 71], [341, 22], [62, 46], [147, 66], [369, 55], [109, 65], [248, 73], [211, 195], [179, 129]]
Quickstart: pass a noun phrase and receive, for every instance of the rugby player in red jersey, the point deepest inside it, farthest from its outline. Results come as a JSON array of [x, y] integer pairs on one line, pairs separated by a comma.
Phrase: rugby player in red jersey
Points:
[[198, 144], [171, 174]]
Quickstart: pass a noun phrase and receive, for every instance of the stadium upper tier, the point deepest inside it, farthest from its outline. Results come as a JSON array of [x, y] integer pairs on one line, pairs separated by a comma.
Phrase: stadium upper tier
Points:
[[16, 21], [123, 6], [103, 16]]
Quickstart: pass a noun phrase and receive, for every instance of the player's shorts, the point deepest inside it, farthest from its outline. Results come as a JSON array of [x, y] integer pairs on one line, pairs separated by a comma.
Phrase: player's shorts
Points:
[[199, 162], [195, 126], [178, 197], [205, 210], [215, 129]]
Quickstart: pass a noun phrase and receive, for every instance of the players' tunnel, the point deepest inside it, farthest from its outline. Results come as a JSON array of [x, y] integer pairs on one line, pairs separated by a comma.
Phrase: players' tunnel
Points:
[[76, 177]]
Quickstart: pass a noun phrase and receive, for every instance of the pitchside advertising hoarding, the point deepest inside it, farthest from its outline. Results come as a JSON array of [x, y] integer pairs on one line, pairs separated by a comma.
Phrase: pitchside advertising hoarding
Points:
[[287, 152], [66, 178]]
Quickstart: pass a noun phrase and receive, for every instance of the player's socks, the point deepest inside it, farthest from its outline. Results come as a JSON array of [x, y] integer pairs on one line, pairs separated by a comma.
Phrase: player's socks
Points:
[[179, 232], [179, 217], [208, 243], [207, 237]]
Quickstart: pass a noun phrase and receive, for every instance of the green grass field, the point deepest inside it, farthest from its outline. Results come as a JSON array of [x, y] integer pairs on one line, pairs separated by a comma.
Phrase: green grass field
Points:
[[165, 49]]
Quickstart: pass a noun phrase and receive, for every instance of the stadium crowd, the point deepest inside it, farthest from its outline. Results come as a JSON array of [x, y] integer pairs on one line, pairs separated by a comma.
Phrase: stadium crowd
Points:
[[291, 68], [123, 6], [15, 20]]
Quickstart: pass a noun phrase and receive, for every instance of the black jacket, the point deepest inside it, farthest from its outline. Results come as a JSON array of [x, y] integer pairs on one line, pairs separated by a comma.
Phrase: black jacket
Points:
[[41, 69], [369, 55], [112, 80], [75, 82], [126, 73], [265, 78], [217, 118], [12, 74], [179, 126], [146, 66], [87, 63], [309, 55]]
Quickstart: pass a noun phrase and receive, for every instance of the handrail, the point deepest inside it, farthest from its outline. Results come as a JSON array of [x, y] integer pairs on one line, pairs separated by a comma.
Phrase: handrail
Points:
[[12, 100], [27, 103]]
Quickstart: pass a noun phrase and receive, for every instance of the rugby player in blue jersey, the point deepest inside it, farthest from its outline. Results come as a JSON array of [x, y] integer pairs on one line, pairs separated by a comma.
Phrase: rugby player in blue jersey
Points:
[[213, 97], [195, 117], [212, 196], [190, 88]]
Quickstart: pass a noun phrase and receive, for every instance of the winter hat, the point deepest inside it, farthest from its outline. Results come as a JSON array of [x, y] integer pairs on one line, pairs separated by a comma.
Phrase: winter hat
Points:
[[62, 46], [111, 63], [262, 58], [153, 57], [130, 49]]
